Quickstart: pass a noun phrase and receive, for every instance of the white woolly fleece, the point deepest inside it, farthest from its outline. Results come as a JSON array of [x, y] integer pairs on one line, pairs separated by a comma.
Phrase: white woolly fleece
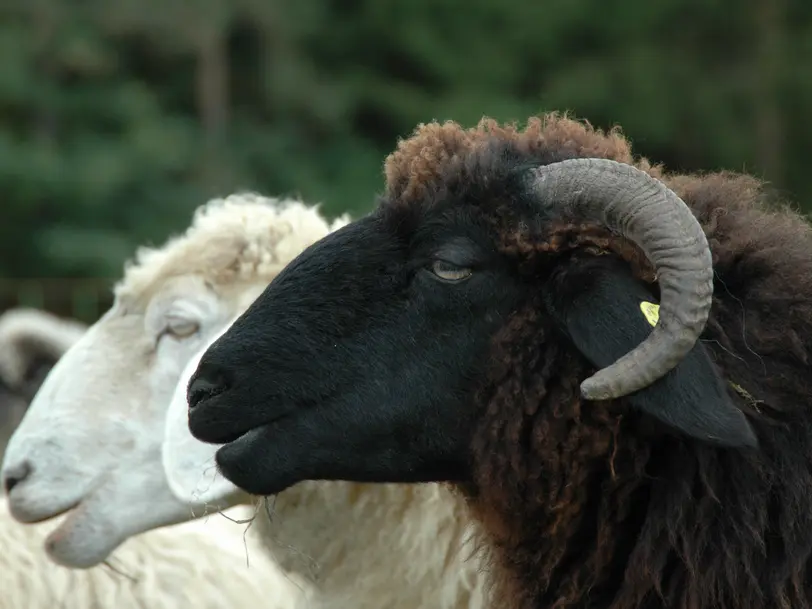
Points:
[[203, 564], [244, 237]]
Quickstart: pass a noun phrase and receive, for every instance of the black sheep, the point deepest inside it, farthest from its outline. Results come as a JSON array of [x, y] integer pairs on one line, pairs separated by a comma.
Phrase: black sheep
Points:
[[448, 335]]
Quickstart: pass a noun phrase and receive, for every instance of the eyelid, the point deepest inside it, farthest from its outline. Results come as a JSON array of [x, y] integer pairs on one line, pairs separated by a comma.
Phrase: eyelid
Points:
[[178, 321], [452, 265], [457, 261], [178, 318], [452, 270]]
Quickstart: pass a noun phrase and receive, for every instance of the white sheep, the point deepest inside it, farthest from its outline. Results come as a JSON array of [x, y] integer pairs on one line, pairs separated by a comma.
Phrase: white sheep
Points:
[[202, 564], [31, 341], [91, 441], [175, 566]]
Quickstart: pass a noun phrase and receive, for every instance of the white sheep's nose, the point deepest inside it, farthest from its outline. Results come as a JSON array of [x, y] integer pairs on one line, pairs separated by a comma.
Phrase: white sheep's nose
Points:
[[15, 474]]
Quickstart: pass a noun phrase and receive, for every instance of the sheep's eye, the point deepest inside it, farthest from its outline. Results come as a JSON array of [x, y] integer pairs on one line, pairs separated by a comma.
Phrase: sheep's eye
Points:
[[449, 272], [181, 328]]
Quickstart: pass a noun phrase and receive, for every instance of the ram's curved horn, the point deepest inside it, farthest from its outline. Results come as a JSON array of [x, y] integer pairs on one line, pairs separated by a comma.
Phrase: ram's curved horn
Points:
[[629, 202]]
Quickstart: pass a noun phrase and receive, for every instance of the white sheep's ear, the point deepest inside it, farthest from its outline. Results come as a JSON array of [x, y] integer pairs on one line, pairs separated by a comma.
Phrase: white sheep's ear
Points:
[[188, 463]]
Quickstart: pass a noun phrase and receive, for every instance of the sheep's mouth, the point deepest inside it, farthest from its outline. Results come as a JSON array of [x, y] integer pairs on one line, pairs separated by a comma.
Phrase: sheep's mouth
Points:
[[53, 515], [265, 424], [251, 461], [218, 421]]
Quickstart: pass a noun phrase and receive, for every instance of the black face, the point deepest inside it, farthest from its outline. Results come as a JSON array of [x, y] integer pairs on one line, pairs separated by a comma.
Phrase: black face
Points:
[[359, 361]]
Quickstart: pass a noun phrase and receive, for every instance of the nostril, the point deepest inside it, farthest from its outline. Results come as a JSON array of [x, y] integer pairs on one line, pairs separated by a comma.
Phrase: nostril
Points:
[[202, 388], [14, 475]]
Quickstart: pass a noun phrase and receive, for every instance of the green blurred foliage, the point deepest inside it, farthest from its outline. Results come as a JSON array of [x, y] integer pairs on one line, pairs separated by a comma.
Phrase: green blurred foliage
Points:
[[118, 118]]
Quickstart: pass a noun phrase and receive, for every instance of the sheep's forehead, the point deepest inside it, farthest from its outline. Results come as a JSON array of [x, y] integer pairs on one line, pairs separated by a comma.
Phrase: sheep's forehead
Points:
[[437, 152], [219, 259], [159, 292], [228, 243]]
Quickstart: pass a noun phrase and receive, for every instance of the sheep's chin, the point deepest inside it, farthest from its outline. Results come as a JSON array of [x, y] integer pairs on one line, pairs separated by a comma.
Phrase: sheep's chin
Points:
[[109, 515], [252, 461]]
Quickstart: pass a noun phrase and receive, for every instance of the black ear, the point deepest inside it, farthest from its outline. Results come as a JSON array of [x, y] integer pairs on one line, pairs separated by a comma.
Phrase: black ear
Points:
[[605, 311]]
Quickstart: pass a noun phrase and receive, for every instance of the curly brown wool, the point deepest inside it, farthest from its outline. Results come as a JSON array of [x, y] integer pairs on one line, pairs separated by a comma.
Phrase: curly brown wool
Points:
[[581, 507], [423, 162]]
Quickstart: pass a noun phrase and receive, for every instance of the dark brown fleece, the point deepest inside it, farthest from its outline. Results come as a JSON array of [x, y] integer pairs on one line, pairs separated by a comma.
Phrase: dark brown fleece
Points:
[[589, 505]]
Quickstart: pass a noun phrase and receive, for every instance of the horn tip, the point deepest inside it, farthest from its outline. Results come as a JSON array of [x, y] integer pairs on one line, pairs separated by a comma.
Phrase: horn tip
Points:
[[593, 390]]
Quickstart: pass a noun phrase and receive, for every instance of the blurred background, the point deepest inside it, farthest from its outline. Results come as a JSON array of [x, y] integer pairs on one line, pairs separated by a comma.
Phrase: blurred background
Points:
[[119, 117]]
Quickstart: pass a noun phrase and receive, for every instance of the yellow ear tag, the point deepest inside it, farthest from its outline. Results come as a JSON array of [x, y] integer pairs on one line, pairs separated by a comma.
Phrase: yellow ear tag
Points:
[[651, 311]]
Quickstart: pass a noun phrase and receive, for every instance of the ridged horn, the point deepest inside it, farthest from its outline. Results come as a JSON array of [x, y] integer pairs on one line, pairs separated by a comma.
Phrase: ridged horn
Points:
[[631, 203]]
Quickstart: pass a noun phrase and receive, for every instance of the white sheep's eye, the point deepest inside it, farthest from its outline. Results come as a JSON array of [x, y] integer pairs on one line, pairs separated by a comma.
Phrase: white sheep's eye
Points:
[[449, 272], [182, 328]]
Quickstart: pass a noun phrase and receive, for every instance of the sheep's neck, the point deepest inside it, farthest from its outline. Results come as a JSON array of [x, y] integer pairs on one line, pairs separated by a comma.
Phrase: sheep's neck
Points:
[[400, 545], [581, 510], [554, 530]]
